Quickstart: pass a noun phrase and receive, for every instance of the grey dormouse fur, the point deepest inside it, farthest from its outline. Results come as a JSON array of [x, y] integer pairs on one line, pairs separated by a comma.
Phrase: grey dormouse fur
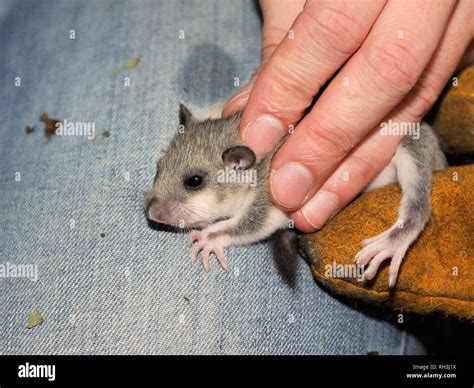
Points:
[[209, 180], [233, 210]]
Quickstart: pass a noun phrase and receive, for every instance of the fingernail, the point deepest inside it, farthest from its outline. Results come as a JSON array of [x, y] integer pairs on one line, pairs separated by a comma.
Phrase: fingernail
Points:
[[319, 209], [291, 184], [263, 134]]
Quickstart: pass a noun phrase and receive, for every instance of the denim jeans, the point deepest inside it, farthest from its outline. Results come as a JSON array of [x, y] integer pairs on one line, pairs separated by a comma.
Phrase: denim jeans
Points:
[[72, 207]]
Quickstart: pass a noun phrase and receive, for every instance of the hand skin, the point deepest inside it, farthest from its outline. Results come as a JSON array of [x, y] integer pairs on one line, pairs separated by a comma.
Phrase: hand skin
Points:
[[392, 58]]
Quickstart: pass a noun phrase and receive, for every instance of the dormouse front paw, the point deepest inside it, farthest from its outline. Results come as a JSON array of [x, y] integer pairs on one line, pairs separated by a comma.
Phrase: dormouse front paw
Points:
[[204, 246]]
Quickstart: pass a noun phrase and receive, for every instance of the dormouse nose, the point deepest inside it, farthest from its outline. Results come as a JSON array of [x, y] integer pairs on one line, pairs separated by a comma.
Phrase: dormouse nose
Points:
[[154, 210]]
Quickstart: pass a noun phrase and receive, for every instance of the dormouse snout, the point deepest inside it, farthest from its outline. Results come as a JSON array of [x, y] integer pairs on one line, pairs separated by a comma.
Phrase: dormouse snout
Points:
[[157, 211], [152, 210]]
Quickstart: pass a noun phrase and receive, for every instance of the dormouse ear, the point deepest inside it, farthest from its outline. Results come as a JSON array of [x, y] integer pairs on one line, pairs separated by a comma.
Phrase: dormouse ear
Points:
[[184, 115], [239, 158]]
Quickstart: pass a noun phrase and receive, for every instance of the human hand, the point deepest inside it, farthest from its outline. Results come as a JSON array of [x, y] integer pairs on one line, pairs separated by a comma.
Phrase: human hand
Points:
[[393, 57]]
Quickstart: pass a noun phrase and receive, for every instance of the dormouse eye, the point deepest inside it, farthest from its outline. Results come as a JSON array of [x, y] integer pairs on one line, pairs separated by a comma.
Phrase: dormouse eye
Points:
[[194, 182]]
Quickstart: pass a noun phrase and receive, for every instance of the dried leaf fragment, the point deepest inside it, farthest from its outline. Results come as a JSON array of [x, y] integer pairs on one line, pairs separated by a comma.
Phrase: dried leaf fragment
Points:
[[49, 124], [34, 319], [131, 63]]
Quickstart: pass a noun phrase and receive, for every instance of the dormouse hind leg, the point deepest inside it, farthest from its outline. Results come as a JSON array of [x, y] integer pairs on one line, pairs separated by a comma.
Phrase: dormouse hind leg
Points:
[[414, 165]]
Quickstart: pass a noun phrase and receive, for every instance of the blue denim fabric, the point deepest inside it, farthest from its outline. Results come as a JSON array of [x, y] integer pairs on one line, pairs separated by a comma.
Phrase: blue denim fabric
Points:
[[134, 290]]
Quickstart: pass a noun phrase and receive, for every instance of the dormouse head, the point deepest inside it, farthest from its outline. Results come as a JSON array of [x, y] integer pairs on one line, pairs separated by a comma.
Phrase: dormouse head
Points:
[[206, 174]]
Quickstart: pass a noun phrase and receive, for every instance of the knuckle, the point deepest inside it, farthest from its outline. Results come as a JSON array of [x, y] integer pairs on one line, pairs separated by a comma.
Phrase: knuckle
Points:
[[268, 47], [271, 38], [359, 171], [422, 99], [333, 139], [287, 80], [333, 28], [395, 62], [363, 167]]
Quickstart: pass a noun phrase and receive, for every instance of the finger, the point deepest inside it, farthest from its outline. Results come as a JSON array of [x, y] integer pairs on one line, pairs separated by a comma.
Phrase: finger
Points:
[[367, 161], [380, 74], [239, 100], [468, 58], [360, 168], [322, 38], [278, 16]]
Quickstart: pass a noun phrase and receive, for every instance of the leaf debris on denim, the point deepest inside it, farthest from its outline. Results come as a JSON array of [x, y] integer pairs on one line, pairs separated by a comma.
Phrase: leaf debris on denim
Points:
[[49, 124], [129, 64], [34, 319]]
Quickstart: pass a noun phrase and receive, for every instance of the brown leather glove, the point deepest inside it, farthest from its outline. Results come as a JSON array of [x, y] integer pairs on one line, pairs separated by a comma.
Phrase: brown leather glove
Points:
[[437, 273]]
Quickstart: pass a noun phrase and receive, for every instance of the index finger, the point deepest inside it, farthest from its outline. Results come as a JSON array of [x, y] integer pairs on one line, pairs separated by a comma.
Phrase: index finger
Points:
[[324, 35], [368, 87]]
